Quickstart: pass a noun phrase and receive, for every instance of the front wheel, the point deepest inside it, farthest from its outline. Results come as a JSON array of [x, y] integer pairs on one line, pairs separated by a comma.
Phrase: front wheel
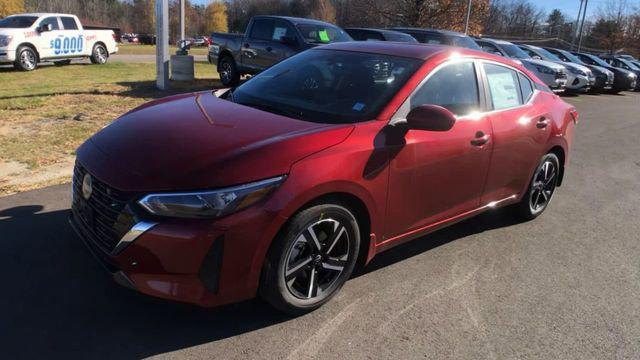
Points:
[[313, 258], [541, 188], [99, 55], [26, 59]]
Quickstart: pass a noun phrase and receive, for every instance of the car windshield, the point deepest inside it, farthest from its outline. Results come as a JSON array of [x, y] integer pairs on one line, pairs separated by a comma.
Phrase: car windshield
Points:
[[597, 60], [17, 22], [515, 52], [328, 86], [548, 55], [467, 42], [631, 65], [322, 34], [572, 57]]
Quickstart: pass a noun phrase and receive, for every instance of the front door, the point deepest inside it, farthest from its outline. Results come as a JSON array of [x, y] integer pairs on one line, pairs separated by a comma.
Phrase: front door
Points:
[[438, 175], [50, 41]]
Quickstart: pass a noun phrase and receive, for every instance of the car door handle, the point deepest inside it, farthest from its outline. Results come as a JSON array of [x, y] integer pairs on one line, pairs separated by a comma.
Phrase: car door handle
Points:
[[481, 139], [269, 48], [542, 123]]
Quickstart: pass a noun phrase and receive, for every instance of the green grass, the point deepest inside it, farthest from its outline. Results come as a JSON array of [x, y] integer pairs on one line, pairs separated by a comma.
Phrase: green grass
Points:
[[37, 109], [132, 49]]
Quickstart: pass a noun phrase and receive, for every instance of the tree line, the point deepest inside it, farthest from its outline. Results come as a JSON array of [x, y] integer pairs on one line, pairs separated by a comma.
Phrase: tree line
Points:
[[614, 25]]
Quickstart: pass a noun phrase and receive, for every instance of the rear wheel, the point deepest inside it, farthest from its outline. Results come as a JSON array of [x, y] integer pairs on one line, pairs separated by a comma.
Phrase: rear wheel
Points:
[[541, 188], [313, 258], [229, 75], [99, 55], [26, 59]]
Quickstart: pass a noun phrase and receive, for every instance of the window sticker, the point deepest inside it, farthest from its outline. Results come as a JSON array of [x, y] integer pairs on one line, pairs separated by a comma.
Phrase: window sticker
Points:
[[504, 92], [278, 33], [324, 37], [358, 106]]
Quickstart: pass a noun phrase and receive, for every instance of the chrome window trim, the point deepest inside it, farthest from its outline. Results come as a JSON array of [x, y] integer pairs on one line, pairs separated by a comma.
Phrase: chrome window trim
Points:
[[134, 233]]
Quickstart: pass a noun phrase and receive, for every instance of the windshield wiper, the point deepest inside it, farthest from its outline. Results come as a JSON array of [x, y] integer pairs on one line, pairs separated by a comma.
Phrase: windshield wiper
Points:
[[279, 110]]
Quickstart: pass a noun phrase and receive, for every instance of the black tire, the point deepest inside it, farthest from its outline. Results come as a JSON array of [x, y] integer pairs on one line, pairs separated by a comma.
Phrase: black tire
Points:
[[26, 59], [229, 75], [299, 276], [62, 63], [99, 54], [541, 188]]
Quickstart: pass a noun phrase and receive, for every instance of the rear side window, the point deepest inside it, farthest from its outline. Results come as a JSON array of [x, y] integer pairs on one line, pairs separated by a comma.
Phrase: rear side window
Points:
[[525, 87], [51, 20], [262, 29], [454, 87], [504, 87], [69, 23]]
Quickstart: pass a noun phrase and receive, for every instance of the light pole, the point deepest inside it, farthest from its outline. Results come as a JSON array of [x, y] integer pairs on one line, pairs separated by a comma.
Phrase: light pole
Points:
[[466, 23], [575, 29], [584, 15]]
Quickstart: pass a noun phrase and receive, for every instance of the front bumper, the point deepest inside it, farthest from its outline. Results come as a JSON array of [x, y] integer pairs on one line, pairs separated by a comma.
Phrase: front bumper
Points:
[[202, 262], [579, 82], [7, 56]]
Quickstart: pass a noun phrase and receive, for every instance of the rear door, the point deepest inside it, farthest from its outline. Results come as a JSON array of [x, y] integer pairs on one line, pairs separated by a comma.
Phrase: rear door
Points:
[[73, 41], [521, 126], [437, 175]]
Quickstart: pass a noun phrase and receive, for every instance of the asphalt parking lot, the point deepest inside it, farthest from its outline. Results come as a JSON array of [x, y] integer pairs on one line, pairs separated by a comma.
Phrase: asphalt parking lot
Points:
[[565, 286]]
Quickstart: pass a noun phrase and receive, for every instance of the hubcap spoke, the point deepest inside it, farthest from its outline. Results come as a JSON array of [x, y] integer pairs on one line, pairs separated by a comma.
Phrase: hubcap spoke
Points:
[[339, 231], [335, 263], [313, 284], [312, 239], [297, 269]]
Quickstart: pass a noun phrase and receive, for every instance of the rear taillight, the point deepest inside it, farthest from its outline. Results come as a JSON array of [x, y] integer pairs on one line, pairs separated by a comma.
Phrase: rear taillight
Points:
[[115, 37]]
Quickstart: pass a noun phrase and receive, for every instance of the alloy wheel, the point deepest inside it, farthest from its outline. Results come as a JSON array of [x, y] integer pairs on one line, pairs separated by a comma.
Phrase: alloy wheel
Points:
[[225, 73], [317, 258], [101, 54], [28, 60], [543, 186]]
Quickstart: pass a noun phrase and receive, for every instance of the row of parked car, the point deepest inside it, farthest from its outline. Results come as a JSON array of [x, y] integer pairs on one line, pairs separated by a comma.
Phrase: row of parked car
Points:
[[270, 39]]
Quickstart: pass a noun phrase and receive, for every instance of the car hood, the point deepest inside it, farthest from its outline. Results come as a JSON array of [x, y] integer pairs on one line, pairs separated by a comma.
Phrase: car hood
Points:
[[601, 69], [197, 141], [548, 64], [582, 68]]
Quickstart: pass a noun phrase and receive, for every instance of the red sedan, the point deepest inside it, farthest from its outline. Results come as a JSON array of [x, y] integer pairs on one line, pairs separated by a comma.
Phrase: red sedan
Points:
[[281, 186]]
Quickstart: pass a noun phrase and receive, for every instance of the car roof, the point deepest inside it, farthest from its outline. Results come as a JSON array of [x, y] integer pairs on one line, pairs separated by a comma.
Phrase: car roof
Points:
[[294, 20], [383, 31], [495, 41], [433, 31], [42, 14], [403, 49]]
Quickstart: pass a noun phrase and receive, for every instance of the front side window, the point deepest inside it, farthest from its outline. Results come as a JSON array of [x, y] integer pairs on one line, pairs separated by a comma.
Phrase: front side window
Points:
[[282, 29], [328, 86], [454, 87], [504, 87], [17, 22], [262, 29], [69, 23], [53, 21]]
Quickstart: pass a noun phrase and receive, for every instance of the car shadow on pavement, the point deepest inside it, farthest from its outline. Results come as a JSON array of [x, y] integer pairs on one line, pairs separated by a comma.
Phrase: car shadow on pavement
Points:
[[57, 300]]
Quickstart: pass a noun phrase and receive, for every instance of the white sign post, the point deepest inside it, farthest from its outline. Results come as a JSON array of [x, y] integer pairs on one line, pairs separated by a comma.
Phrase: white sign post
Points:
[[162, 44]]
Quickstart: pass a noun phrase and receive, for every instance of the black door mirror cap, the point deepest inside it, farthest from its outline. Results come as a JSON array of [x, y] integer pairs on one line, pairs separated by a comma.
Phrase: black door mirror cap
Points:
[[430, 118]]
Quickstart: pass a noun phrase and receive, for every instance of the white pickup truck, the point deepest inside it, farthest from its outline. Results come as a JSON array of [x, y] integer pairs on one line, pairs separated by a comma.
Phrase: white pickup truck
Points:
[[27, 39]]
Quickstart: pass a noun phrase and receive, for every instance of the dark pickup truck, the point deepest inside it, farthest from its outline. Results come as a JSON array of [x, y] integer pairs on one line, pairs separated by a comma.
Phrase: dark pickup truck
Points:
[[267, 40]]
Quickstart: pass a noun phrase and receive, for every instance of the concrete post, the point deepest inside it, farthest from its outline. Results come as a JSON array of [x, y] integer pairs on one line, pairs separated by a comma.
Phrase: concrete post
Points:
[[162, 44]]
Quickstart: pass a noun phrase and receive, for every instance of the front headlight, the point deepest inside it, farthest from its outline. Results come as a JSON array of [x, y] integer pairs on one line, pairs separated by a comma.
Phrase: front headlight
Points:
[[5, 40], [209, 204], [545, 70]]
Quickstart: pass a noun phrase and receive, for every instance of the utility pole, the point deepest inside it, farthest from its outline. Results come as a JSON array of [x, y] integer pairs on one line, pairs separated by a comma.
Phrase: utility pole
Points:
[[162, 44], [466, 23], [584, 15], [575, 29]]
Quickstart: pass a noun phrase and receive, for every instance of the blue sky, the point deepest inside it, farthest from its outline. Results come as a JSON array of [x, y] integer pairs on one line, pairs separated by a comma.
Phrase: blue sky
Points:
[[569, 7]]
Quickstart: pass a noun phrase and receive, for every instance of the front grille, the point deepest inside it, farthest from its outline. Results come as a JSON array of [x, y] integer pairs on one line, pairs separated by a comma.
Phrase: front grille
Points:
[[103, 215], [560, 74]]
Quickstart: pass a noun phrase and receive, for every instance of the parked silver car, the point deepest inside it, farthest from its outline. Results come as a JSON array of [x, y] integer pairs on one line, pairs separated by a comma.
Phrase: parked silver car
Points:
[[579, 77]]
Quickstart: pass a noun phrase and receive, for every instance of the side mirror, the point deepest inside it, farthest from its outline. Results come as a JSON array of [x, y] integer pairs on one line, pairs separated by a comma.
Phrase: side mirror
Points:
[[497, 53], [430, 118], [45, 28], [536, 57], [288, 40]]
